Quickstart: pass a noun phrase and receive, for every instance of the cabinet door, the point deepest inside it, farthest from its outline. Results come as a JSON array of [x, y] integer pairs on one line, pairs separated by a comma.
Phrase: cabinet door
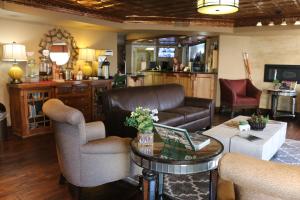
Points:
[[37, 122], [171, 78], [204, 87], [158, 78], [148, 80], [187, 82]]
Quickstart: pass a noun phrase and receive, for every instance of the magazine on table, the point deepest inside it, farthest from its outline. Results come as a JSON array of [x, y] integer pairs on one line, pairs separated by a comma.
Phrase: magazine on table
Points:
[[190, 141]]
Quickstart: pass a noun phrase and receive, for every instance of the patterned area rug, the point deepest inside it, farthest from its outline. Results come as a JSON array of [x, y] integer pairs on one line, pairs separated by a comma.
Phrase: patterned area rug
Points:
[[195, 187]]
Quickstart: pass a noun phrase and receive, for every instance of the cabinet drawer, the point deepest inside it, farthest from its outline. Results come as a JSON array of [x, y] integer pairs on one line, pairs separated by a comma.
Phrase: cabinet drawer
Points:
[[81, 89], [61, 90]]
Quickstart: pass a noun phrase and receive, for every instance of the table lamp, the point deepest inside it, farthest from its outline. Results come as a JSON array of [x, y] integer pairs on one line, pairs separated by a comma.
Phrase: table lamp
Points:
[[88, 55], [14, 52]]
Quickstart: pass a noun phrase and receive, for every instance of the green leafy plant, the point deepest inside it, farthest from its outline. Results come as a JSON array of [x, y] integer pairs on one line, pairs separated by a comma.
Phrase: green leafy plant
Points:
[[142, 119], [258, 119]]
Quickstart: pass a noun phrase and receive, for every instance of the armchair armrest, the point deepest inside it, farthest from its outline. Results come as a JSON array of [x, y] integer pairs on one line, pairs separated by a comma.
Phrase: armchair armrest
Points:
[[199, 102], [227, 94], [109, 145], [273, 179], [94, 130], [252, 91]]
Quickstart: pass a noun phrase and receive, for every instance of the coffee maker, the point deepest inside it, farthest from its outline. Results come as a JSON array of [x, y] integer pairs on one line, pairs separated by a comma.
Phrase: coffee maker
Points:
[[103, 64]]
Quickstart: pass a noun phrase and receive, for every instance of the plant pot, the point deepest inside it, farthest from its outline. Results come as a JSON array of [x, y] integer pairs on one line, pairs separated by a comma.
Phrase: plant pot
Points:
[[257, 126], [145, 138]]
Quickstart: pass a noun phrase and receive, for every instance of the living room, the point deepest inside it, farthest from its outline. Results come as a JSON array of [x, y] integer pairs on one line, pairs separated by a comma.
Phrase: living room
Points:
[[252, 51]]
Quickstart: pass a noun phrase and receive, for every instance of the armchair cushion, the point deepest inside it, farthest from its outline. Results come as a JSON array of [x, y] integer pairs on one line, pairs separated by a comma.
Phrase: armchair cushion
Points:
[[245, 101], [94, 131], [109, 145], [239, 86]]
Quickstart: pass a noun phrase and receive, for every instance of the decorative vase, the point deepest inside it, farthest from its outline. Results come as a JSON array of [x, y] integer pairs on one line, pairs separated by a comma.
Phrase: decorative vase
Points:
[[145, 138], [257, 126]]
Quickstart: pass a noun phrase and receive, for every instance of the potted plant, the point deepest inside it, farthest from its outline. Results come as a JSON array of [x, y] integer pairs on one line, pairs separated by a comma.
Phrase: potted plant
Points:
[[258, 122], [142, 119]]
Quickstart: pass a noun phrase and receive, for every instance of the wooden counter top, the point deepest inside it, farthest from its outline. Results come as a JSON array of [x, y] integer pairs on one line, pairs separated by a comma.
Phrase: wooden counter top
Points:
[[181, 72], [42, 84]]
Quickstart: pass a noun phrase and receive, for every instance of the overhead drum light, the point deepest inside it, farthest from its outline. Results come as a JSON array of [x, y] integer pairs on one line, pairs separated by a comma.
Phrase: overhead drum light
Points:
[[217, 7]]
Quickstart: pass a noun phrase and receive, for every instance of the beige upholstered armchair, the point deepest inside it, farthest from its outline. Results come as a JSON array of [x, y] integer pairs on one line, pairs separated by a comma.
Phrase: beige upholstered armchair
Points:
[[86, 158], [246, 178]]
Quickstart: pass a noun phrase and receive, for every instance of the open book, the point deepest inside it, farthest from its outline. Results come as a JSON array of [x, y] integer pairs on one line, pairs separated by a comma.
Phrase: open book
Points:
[[177, 135]]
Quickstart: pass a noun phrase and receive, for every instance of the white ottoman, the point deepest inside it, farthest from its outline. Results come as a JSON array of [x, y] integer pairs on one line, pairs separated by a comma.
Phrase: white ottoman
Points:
[[272, 137]]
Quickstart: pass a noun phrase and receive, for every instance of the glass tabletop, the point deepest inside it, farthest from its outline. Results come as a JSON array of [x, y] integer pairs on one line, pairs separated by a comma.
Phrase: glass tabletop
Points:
[[164, 151]]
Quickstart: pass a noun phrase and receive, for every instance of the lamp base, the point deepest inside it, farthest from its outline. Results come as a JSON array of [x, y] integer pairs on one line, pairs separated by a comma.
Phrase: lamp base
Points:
[[16, 81]]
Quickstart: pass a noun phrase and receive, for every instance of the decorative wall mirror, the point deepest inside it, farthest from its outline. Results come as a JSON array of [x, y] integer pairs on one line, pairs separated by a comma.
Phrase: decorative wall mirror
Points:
[[62, 47]]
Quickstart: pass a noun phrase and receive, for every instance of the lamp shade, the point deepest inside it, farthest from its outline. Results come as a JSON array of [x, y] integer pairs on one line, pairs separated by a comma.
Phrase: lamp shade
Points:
[[218, 7], [87, 54], [14, 52]]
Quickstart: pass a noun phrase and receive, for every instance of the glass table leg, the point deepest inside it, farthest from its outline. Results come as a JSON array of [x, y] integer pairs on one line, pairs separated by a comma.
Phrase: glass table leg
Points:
[[149, 184]]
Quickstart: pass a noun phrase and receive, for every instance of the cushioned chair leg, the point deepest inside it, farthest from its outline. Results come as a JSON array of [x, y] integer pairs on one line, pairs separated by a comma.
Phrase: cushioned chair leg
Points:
[[62, 179], [232, 113]]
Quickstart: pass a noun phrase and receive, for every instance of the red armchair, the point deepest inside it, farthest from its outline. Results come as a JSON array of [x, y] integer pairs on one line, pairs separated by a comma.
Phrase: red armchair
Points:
[[239, 94]]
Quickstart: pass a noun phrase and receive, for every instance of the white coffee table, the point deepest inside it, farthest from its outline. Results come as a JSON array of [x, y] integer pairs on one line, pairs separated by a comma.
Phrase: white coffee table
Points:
[[272, 138]]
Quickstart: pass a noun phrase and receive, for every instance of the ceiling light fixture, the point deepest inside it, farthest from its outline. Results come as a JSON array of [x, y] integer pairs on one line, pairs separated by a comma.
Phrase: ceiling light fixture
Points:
[[259, 23], [217, 7], [271, 23], [283, 23]]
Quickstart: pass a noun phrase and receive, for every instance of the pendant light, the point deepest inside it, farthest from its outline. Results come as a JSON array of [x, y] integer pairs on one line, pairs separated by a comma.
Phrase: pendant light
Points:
[[217, 7]]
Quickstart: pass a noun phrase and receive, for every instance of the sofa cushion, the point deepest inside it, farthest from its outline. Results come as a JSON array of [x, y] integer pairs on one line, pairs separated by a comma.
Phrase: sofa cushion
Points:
[[191, 113], [170, 119], [240, 100], [169, 96], [130, 98]]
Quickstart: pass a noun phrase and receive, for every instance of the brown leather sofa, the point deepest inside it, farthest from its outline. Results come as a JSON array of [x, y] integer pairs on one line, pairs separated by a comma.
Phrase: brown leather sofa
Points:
[[174, 109]]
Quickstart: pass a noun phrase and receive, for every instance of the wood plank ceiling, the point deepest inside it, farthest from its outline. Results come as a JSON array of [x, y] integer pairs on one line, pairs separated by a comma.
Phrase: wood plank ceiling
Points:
[[173, 11]]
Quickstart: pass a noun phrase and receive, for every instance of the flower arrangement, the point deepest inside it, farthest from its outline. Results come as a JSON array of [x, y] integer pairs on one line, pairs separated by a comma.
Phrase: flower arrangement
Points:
[[142, 119], [258, 122]]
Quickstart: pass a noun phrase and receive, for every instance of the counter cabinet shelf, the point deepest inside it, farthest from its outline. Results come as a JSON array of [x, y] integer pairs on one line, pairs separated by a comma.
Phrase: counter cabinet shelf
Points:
[[26, 101], [201, 85]]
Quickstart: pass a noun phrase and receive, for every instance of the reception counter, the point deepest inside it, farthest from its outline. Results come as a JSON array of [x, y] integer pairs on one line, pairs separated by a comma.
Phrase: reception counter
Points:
[[196, 84]]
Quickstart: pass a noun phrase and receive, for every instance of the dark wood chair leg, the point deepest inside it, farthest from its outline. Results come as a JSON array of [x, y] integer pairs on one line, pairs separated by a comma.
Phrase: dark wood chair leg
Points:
[[75, 191], [62, 179]]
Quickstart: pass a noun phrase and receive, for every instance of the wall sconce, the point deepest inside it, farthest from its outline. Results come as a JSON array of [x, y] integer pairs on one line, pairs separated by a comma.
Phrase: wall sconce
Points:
[[88, 55], [14, 52]]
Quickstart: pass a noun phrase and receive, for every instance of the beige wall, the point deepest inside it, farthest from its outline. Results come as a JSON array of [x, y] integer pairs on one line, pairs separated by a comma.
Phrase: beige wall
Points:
[[278, 48], [30, 35], [231, 65]]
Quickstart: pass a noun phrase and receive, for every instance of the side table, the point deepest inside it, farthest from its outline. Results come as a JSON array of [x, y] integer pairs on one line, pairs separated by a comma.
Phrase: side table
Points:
[[160, 158], [274, 105]]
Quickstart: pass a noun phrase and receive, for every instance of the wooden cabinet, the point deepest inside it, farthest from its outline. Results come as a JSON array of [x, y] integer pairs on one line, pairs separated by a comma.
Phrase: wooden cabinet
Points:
[[202, 85], [26, 101]]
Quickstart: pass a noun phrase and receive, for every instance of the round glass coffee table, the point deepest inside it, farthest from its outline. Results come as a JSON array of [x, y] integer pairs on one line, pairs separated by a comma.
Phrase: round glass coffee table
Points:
[[162, 158]]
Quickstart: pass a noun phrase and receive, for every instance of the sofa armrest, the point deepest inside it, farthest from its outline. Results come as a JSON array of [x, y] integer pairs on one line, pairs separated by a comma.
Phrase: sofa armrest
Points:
[[115, 124], [109, 145], [273, 179], [94, 130], [252, 91], [199, 102]]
